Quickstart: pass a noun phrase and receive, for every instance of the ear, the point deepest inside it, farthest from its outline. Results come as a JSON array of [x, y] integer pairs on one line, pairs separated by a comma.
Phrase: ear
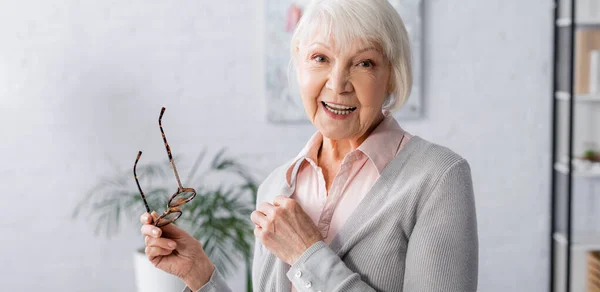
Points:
[[391, 82], [295, 56], [296, 49], [391, 87]]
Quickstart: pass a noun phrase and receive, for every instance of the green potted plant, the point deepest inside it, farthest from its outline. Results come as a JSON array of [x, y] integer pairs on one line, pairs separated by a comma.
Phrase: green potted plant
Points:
[[218, 216], [591, 155]]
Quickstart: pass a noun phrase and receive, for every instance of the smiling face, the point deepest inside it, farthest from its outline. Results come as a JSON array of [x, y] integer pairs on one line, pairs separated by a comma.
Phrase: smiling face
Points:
[[343, 90]]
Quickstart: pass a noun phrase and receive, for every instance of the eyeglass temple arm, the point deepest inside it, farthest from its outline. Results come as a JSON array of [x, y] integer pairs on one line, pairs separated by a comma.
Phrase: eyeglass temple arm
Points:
[[162, 111], [138, 182]]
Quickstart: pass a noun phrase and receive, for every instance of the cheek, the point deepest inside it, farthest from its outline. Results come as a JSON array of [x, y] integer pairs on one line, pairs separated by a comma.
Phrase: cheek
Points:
[[371, 91], [311, 85]]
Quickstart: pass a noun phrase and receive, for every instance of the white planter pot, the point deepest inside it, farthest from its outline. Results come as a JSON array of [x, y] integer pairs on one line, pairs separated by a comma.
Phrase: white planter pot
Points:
[[151, 279]]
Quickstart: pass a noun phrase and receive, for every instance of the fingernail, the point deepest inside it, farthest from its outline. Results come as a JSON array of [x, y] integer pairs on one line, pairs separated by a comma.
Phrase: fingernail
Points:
[[145, 217], [155, 232], [172, 244]]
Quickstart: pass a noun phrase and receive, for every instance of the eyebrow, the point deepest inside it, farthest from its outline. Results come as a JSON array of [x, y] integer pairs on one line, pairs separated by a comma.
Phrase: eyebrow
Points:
[[319, 43], [357, 53], [366, 50]]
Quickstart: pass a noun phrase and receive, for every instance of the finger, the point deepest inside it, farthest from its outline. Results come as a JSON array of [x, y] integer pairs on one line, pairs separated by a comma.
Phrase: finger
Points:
[[259, 218], [281, 201], [160, 242], [146, 219], [267, 209], [172, 231], [258, 232], [153, 251], [151, 230]]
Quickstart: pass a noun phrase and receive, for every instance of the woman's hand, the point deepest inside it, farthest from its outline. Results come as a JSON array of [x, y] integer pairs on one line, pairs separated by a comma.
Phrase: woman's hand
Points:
[[174, 251], [285, 229]]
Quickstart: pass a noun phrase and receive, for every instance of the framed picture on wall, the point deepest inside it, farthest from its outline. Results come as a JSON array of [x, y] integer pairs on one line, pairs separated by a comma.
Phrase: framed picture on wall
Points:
[[283, 102]]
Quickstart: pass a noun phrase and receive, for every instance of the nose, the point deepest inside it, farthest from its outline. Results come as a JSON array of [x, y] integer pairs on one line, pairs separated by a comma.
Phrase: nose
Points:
[[338, 80]]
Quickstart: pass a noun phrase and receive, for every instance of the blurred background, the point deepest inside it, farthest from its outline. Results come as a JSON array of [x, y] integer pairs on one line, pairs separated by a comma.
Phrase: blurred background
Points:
[[82, 84]]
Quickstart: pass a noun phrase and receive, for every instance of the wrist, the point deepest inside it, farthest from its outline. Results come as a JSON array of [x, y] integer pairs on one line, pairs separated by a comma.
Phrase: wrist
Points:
[[199, 276], [298, 255]]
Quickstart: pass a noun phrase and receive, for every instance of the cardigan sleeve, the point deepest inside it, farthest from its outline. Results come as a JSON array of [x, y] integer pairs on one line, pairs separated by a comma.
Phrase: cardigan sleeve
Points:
[[320, 269], [215, 284], [442, 252]]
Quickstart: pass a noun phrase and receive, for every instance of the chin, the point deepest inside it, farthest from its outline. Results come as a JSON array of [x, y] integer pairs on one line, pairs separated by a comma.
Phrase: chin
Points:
[[332, 133], [329, 135], [333, 129]]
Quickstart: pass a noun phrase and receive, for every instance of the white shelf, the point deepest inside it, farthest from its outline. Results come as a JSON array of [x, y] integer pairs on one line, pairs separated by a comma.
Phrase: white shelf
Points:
[[565, 22], [591, 172], [586, 241], [562, 22], [565, 96]]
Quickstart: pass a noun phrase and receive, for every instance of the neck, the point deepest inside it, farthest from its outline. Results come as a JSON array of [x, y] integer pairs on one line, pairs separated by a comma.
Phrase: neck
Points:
[[335, 150]]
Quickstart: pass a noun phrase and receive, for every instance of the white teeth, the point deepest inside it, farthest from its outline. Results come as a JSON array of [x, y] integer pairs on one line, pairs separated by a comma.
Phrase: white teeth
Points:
[[339, 112], [338, 107]]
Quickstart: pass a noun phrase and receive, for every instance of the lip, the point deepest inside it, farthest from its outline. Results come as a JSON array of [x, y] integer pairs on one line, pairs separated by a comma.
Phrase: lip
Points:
[[335, 116]]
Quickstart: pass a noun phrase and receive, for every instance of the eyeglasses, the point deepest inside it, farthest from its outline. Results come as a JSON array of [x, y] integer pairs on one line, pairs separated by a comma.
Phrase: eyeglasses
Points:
[[180, 197]]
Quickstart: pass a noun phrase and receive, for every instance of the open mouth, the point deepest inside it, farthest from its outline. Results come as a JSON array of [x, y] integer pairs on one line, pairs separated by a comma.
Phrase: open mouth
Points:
[[338, 109]]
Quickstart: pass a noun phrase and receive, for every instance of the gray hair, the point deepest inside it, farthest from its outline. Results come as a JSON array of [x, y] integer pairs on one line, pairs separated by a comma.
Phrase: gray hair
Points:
[[372, 21]]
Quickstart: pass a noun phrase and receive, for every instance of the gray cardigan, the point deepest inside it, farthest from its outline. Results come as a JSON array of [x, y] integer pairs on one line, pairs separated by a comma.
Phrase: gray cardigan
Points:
[[416, 230]]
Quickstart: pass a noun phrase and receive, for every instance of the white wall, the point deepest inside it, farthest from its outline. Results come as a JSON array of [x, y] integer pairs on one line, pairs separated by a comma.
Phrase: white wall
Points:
[[81, 84]]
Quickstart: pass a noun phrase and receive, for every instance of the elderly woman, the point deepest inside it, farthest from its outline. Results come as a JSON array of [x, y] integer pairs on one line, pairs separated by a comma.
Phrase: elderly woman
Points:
[[365, 206]]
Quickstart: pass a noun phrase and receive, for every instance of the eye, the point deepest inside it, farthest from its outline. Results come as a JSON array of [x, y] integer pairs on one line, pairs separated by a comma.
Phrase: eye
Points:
[[366, 64], [320, 58]]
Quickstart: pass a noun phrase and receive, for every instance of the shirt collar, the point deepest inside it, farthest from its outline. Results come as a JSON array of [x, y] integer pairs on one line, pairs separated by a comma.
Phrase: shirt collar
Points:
[[384, 142], [309, 153], [381, 146]]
